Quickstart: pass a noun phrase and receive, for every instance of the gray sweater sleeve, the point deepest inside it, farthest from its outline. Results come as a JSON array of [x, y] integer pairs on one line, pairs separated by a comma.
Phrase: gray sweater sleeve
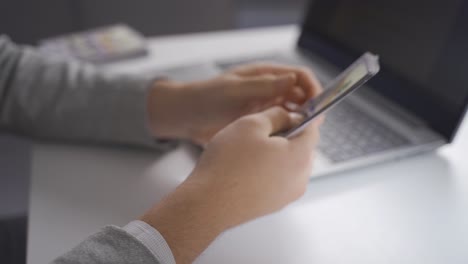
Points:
[[55, 99], [111, 245]]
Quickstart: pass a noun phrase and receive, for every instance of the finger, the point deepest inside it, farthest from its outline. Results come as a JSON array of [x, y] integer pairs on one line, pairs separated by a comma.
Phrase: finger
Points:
[[274, 120], [306, 79], [296, 118], [278, 101], [259, 106], [291, 106], [296, 95], [308, 138], [271, 103], [267, 85], [309, 82], [262, 68]]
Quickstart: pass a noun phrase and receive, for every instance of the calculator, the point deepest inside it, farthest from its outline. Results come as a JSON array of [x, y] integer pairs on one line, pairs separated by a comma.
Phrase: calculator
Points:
[[100, 45]]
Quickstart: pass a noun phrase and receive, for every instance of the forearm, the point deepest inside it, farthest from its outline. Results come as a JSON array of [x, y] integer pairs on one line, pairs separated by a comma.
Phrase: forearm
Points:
[[190, 219], [57, 99]]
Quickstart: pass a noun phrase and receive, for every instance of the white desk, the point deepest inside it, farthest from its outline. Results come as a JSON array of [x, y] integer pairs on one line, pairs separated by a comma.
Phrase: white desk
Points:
[[412, 211]]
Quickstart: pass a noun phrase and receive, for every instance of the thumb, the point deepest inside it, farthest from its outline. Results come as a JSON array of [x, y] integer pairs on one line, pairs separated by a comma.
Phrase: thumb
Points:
[[276, 119], [268, 85]]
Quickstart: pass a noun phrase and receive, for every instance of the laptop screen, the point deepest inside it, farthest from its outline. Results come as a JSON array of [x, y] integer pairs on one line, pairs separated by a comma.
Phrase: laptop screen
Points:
[[422, 44]]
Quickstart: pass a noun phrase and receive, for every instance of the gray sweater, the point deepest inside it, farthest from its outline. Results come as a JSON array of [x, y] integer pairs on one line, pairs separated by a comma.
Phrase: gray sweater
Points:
[[55, 99], [111, 245], [50, 99]]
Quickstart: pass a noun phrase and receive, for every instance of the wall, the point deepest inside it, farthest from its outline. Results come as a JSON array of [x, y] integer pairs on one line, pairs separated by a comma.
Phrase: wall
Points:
[[28, 21]]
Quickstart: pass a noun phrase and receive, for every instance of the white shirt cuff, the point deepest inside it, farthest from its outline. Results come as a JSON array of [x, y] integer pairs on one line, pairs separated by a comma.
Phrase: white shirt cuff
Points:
[[152, 239]]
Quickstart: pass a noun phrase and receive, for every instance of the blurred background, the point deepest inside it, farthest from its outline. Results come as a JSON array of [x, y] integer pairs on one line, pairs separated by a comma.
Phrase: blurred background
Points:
[[27, 21]]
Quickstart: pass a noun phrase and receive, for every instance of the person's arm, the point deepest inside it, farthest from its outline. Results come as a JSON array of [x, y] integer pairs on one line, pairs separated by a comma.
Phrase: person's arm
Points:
[[55, 99], [135, 243], [63, 100], [245, 172], [227, 188]]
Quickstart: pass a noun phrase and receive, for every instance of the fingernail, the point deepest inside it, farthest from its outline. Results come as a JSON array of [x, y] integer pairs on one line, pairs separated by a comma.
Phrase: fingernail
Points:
[[296, 118], [299, 93], [291, 106]]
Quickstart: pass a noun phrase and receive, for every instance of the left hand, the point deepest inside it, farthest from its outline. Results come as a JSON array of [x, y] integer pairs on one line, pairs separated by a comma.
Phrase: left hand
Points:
[[196, 111]]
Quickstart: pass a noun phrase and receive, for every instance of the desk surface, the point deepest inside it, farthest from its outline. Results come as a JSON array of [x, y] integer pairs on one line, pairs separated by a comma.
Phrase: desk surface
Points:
[[410, 211]]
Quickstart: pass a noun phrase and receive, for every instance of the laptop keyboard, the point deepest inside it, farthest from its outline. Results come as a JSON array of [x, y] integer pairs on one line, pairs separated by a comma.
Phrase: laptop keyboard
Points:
[[349, 133]]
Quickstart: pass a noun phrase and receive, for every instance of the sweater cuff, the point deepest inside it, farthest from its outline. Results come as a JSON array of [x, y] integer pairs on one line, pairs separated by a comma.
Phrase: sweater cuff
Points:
[[151, 239], [127, 98], [132, 106]]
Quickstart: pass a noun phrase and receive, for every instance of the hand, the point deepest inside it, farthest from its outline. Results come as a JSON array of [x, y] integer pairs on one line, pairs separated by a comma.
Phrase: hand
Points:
[[197, 110], [250, 171], [244, 173]]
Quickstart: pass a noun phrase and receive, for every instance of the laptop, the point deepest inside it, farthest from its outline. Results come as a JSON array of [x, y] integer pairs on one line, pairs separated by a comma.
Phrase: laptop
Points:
[[414, 105]]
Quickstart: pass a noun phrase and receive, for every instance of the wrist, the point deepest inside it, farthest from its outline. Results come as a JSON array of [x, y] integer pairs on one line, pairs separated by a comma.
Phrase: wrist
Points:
[[165, 107], [174, 111], [189, 220]]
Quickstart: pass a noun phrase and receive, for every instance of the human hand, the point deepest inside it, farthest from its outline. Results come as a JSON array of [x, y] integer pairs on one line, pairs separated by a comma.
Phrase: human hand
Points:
[[197, 110], [245, 172], [261, 171]]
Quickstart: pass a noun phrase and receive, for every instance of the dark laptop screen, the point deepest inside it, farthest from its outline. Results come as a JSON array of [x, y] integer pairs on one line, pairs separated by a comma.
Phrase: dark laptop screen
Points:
[[423, 47]]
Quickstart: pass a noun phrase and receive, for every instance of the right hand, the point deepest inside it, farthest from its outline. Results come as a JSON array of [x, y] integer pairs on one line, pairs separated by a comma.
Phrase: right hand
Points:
[[251, 172], [245, 172]]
